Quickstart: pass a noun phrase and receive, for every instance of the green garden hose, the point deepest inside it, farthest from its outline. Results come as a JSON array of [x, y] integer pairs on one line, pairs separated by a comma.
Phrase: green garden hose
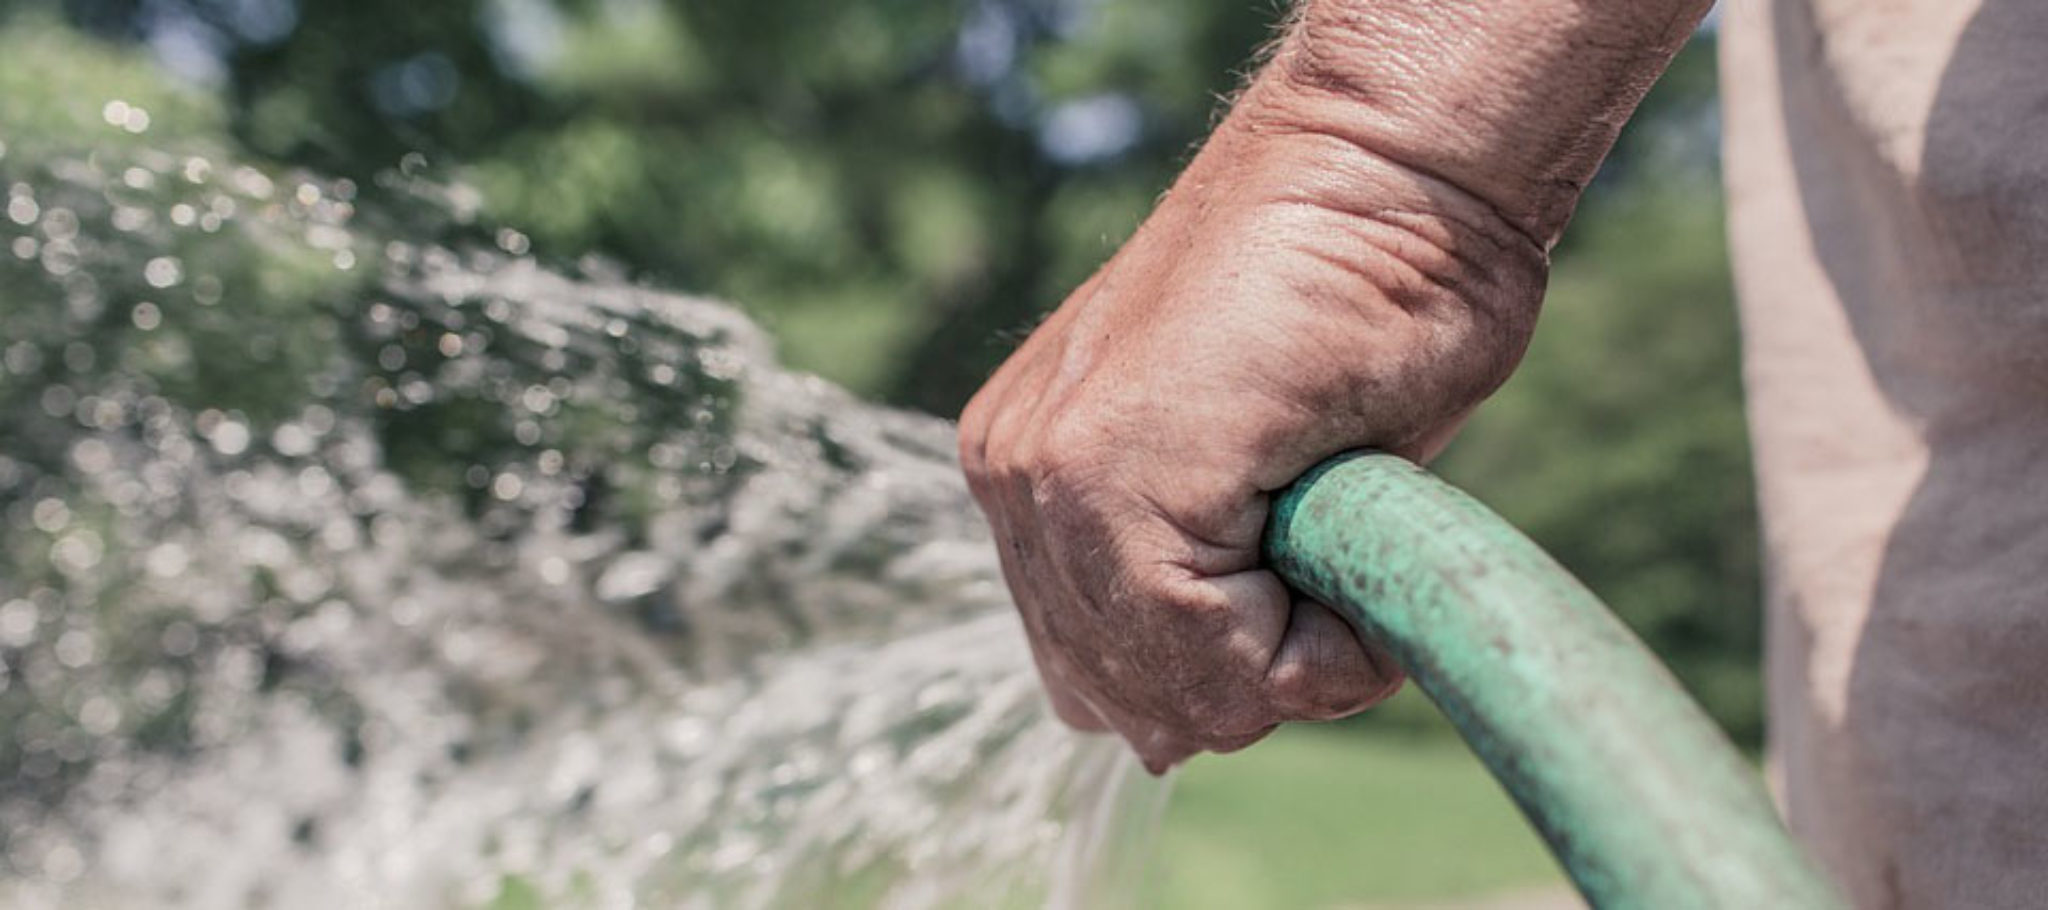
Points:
[[1642, 799]]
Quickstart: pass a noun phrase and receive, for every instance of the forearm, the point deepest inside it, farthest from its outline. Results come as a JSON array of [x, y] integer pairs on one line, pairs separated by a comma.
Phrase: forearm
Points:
[[1398, 171], [1512, 101]]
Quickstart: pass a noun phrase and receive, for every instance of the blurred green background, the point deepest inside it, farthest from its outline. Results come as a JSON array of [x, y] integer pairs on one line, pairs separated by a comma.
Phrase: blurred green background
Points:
[[898, 189]]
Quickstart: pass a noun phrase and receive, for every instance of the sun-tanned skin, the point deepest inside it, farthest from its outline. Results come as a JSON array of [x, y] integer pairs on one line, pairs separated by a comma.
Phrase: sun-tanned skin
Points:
[[1355, 258]]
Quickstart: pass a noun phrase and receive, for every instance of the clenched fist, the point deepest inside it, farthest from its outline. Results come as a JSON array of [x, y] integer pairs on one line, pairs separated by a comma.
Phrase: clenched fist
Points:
[[1324, 276]]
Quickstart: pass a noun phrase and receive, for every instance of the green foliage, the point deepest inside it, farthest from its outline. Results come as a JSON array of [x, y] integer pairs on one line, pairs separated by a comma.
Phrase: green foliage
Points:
[[34, 118], [869, 177]]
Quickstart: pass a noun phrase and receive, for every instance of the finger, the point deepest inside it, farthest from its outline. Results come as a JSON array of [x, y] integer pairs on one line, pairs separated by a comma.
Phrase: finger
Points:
[[1010, 396], [1158, 748], [1228, 746], [1432, 443], [1252, 607], [1072, 709], [1062, 689], [1206, 669], [1322, 670], [1068, 704], [1055, 679]]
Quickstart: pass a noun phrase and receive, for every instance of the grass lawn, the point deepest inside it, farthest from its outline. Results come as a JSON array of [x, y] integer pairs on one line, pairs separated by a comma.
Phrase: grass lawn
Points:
[[1342, 817]]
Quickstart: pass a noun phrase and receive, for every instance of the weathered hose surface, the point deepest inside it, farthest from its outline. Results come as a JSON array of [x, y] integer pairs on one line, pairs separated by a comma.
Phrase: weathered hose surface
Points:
[[1641, 797]]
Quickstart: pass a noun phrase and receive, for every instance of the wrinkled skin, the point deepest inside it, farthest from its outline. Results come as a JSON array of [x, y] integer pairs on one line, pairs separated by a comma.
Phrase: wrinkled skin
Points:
[[1340, 267], [1258, 323]]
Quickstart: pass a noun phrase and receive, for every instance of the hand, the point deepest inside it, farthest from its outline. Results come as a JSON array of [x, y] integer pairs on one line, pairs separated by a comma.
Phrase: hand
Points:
[[1294, 295]]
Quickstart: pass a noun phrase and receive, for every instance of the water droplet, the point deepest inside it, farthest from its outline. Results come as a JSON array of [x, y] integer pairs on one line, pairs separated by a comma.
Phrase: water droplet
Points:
[[167, 560], [554, 570], [632, 575], [99, 715], [229, 437], [507, 486], [252, 183], [107, 414], [138, 178], [60, 225], [163, 272], [147, 316], [23, 358], [314, 482], [93, 456], [129, 219], [18, 620], [50, 515], [513, 242], [22, 210], [115, 112], [77, 553], [538, 399], [63, 864], [319, 419], [59, 258], [58, 400], [416, 390]]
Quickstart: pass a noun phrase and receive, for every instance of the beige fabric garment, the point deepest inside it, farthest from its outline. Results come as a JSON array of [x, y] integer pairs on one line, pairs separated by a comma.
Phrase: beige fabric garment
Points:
[[1887, 170]]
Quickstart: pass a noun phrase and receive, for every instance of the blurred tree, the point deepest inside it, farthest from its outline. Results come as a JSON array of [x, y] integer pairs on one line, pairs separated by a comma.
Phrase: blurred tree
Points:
[[892, 185], [889, 184]]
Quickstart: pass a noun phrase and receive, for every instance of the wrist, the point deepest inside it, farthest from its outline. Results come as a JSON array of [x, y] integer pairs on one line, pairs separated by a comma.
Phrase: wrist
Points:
[[1514, 104]]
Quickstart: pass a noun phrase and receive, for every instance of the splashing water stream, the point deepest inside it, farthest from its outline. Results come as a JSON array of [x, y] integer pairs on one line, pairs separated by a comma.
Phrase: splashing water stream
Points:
[[351, 558]]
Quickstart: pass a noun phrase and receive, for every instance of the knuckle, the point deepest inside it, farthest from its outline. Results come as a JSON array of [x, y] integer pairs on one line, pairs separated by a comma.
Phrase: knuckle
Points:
[[1061, 479], [1074, 714], [973, 450], [1292, 684], [1005, 459], [974, 433], [1072, 430]]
